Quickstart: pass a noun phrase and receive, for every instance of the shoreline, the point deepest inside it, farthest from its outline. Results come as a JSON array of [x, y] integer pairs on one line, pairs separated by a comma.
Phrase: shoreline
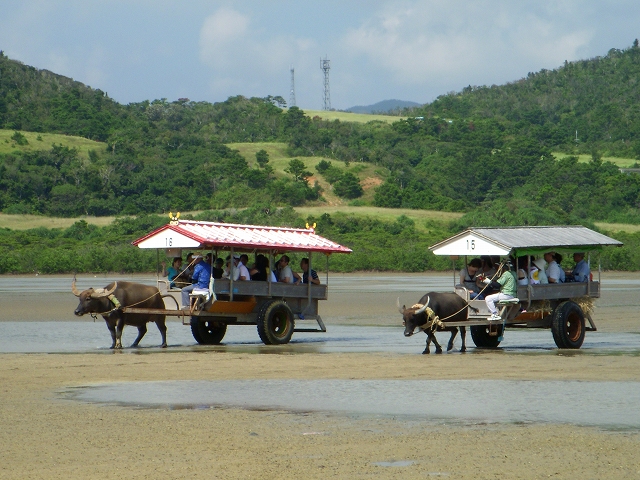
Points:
[[46, 435]]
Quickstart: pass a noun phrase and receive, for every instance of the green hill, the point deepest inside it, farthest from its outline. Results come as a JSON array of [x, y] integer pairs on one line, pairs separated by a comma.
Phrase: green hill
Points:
[[486, 151], [34, 141], [580, 106], [42, 101]]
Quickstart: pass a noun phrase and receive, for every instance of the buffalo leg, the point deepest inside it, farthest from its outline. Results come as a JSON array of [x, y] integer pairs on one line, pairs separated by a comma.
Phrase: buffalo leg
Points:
[[163, 331], [432, 338], [119, 329], [112, 329], [454, 332], [435, 342], [426, 349], [142, 329], [463, 336]]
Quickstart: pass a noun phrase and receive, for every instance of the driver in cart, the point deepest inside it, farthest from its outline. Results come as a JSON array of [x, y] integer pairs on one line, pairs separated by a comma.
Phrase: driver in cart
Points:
[[507, 283], [201, 275]]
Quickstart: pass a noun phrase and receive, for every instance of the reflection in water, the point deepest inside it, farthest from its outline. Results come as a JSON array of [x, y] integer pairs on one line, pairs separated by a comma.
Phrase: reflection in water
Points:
[[70, 337], [611, 405]]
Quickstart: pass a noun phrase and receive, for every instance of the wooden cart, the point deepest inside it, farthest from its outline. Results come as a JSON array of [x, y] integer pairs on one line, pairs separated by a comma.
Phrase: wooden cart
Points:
[[274, 307], [562, 307]]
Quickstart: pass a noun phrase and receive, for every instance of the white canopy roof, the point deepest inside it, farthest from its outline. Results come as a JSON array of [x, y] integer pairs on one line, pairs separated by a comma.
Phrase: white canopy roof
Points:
[[524, 240]]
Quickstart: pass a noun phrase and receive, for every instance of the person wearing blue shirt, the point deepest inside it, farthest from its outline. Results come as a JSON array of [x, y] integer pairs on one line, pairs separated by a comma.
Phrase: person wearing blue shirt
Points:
[[201, 276], [581, 271]]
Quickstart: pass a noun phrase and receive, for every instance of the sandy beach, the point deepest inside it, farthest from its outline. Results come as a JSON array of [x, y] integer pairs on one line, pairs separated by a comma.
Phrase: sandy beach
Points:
[[45, 434]]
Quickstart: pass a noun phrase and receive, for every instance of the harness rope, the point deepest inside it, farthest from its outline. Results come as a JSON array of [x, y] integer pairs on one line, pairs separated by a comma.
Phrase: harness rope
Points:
[[118, 306], [433, 319]]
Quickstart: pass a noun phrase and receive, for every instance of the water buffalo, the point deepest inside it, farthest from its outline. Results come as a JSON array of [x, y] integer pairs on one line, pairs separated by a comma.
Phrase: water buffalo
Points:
[[449, 307], [126, 294]]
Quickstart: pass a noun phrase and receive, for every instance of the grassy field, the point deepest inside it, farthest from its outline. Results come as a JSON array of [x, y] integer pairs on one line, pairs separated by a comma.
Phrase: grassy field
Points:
[[25, 222], [584, 158], [47, 140], [618, 227], [351, 117], [279, 160], [385, 214]]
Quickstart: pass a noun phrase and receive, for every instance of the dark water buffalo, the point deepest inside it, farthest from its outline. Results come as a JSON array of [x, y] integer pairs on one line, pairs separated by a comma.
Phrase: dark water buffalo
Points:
[[127, 294], [448, 306]]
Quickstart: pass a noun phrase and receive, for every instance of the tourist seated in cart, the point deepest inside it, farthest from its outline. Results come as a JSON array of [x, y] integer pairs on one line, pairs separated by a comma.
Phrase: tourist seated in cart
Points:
[[241, 265], [239, 272], [216, 270], [304, 266], [488, 266], [260, 270], [507, 283], [581, 272], [188, 271], [174, 273], [523, 276], [201, 277], [537, 274], [553, 270], [285, 275], [558, 258], [468, 277]]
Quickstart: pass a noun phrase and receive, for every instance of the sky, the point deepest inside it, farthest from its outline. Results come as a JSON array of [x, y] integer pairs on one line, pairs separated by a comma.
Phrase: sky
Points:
[[208, 50]]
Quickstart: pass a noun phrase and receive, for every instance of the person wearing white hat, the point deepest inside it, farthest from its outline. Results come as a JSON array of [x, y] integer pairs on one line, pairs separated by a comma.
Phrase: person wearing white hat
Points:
[[537, 274]]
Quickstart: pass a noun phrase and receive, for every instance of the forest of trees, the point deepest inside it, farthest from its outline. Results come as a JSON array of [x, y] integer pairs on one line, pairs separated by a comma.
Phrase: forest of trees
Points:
[[486, 151], [377, 245], [462, 152]]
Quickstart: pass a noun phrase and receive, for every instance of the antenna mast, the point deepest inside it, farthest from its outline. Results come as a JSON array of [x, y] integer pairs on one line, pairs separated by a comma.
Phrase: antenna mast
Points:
[[325, 66], [292, 91]]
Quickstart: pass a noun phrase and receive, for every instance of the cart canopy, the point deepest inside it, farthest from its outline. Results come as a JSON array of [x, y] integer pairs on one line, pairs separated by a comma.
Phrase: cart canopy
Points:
[[212, 235], [519, 241]]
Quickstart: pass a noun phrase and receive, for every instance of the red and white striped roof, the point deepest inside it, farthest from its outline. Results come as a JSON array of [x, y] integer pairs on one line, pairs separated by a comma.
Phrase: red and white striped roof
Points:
[[209, 235]]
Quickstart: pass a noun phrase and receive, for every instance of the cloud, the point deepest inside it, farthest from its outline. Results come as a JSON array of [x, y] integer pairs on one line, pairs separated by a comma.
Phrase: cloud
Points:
[[415, 42], [241, 53], [218, 32]]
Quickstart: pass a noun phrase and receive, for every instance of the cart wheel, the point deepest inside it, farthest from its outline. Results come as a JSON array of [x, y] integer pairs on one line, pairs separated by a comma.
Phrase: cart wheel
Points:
[[275, 323], [482, 339], [207, 332], [567, 325]]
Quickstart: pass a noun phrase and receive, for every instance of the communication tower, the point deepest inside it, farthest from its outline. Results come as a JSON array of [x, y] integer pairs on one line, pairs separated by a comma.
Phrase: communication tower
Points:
[[292, 92], [325, 66]]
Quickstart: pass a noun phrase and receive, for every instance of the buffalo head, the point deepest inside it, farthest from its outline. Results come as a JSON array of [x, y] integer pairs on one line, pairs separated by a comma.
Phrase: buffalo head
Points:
[[413, 317], [92, 300]]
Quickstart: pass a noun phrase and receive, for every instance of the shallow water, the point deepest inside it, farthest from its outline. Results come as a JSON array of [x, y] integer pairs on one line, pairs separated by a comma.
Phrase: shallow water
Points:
[[75, 337], [36, 315], [609, 405]]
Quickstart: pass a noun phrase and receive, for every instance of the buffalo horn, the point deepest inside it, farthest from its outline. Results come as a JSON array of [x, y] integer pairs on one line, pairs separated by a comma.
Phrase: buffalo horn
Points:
[[74, 290], [400, 309], [424, 307], [105, 292]]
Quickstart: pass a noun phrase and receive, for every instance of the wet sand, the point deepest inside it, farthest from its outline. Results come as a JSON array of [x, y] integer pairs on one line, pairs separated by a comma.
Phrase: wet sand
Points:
[[46, 435]]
